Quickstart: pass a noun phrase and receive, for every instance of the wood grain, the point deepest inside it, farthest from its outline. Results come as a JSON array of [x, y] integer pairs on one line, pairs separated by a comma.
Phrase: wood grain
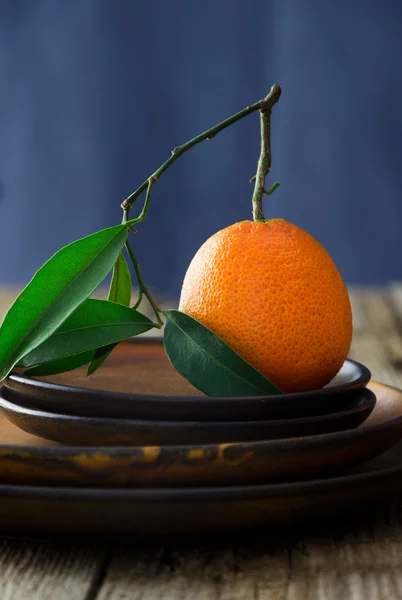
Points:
[[239, 573], [377, 339], [47, 571], [358, 561], [362, 561]]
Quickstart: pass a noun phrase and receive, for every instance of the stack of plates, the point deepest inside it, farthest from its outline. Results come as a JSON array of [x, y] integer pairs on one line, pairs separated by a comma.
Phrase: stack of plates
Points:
[[135, 448]]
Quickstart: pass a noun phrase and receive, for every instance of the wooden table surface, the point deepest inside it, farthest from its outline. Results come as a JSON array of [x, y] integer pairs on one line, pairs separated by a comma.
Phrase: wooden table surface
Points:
[[358, 560]]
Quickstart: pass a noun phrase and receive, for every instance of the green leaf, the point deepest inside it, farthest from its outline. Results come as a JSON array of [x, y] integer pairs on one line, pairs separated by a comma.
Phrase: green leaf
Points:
[[99, 357], [61, 365], [94, 324], [207, 362], [120, 286], [120, 291], [55, 291]]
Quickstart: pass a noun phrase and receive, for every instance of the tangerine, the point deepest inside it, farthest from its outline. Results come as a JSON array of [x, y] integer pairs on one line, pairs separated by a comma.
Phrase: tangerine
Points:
[[272, 293]]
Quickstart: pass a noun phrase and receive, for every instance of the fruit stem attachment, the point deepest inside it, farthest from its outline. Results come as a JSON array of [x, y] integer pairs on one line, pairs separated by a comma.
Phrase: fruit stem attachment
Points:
[[262, 105], [264, 162]]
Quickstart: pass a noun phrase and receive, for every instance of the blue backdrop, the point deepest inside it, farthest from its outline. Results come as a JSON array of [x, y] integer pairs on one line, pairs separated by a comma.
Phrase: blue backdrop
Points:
[[95, 94]]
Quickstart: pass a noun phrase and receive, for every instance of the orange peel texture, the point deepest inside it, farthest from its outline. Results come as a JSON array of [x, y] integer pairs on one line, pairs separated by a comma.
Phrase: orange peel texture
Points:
[[273, 293]]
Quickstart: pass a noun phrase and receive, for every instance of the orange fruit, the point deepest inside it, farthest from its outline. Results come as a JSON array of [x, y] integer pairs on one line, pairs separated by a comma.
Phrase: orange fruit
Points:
[[273, 294]]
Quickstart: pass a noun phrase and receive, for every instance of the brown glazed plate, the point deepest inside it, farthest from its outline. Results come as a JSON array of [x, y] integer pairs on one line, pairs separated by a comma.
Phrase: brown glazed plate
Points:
[[138, 382], [28, 460], [28, 510], [92, 431]]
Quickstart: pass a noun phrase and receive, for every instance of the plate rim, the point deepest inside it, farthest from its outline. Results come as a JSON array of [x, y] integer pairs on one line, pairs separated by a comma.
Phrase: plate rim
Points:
[[26, 380], [368, 399], [342, 435], [194, 493]]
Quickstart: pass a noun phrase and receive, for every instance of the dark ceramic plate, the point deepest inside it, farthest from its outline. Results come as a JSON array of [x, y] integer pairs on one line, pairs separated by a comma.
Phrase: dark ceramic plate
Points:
[[25, 460], [138, 382], [93, 431], [28, 510]]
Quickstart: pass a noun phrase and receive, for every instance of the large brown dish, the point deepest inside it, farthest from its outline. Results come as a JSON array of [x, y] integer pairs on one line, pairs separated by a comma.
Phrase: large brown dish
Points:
[[31, 510], [25, 459]]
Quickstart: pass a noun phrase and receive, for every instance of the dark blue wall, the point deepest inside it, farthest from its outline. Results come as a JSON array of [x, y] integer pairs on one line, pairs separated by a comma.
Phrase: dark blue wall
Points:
[[95, 93]]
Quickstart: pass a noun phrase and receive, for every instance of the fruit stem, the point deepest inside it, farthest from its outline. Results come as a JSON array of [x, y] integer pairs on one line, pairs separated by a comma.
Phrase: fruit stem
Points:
[[262, 105], [264, 162], [143, 291]]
